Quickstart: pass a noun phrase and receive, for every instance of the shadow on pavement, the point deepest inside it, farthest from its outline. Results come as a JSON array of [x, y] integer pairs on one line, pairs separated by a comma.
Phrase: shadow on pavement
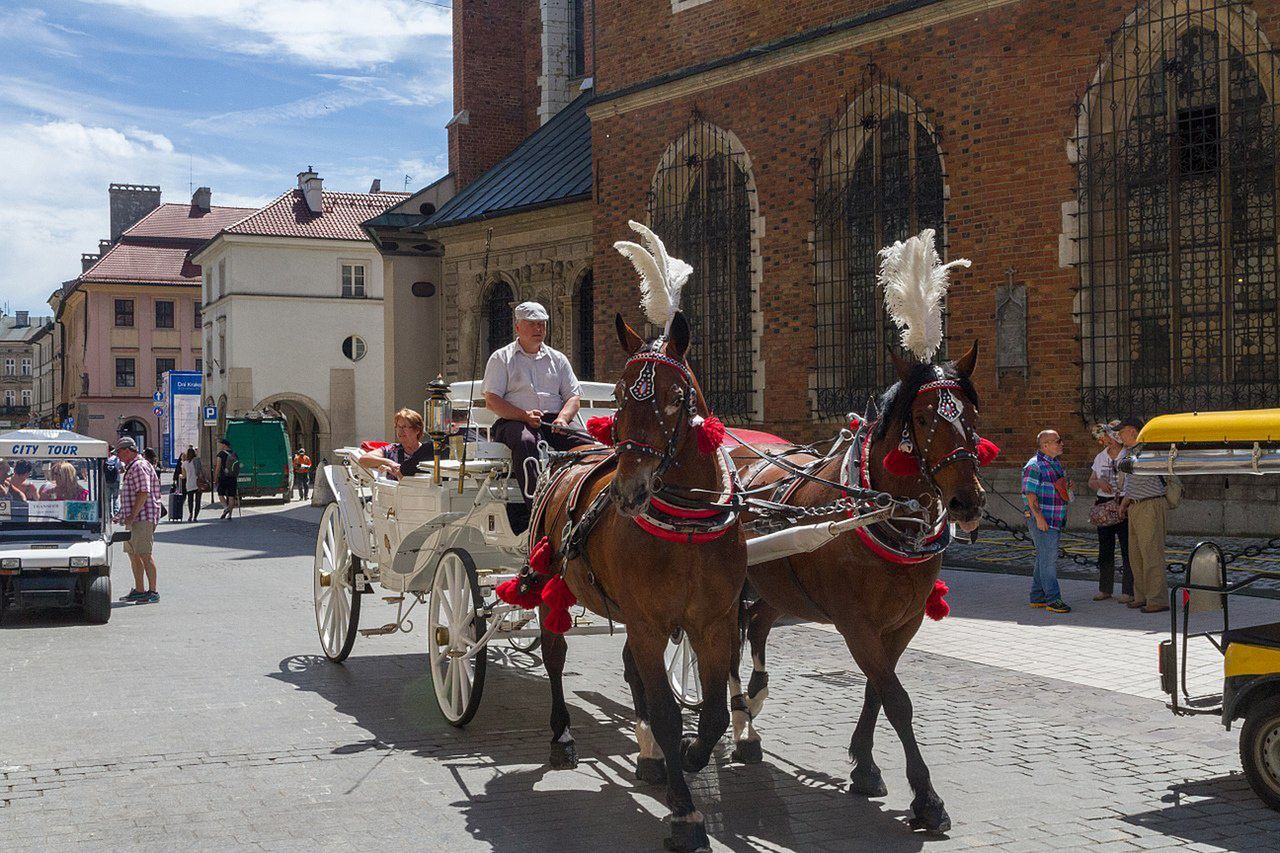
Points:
[[1192, 806], [513, 801]]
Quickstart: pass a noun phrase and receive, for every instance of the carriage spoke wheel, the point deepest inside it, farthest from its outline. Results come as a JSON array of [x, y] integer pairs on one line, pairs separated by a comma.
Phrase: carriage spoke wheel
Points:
[[337, 602], [454, 628], [682, 671], [527, 644], [1260, 750]]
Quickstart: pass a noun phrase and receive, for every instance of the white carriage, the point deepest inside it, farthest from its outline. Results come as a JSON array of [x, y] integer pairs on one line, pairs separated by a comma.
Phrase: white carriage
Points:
[[444, 541]]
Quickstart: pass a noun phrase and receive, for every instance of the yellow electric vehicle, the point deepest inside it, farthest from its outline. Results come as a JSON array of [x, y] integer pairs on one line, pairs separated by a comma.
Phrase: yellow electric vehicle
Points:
[[1221, 443]]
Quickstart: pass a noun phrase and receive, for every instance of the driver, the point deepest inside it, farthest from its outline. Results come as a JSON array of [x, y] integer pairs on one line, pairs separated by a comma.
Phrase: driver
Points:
[[532, 389]]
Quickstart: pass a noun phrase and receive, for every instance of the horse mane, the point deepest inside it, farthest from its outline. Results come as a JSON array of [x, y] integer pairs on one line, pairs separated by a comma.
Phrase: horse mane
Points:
[[895, 404]]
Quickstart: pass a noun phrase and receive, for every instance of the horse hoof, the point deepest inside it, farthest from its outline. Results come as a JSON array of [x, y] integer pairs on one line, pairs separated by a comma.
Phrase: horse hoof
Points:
[[747, 752], [867, 783], [687, 837], [564, 756], [930, 815], [689, 762], [651, 771]]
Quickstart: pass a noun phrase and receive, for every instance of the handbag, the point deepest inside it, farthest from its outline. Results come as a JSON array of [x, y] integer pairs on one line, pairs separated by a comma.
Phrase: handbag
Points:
[[1106, 514], [1172, 491]]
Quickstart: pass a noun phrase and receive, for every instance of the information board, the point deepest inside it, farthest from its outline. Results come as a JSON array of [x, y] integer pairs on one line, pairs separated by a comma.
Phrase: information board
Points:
[[180, 427]]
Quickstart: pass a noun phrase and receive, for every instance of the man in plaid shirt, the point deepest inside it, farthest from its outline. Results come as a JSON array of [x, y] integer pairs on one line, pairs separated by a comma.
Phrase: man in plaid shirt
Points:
[[139, 512], [1046, 492]]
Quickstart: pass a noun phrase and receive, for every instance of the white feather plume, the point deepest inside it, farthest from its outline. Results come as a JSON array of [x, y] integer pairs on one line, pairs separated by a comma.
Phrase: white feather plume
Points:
[[915, 280], [662, 277]]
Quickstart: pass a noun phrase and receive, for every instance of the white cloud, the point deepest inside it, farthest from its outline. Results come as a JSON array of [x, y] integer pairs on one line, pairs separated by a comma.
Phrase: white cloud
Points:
[[330, 33], [28, 27], [56, 201]]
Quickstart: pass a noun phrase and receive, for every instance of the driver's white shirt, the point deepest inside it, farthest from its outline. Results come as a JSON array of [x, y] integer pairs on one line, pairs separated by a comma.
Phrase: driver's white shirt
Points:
[[543, 380]]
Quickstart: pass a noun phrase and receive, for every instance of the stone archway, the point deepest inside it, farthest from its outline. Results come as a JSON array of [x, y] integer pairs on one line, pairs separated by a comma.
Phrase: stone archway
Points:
[[306, 422]]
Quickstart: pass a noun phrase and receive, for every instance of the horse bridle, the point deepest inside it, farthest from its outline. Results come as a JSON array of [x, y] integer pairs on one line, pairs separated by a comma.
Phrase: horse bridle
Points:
[[950, 408], [643, 390]]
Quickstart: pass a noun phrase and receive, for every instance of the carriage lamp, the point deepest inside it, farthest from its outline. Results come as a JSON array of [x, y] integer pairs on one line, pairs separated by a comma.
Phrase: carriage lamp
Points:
[[439, 417]]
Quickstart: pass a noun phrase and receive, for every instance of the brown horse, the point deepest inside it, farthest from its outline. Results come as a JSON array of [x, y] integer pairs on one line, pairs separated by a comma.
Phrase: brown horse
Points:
[[873, 590], [654, 585]]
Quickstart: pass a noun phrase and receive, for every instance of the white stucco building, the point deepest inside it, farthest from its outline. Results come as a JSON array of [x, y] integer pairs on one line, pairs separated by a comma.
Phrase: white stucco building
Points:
[[293, 315]]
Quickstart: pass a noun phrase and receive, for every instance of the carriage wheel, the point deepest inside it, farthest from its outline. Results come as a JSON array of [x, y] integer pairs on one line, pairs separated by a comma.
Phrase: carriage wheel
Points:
[[454, 628], [527, 644], [337, 602], [682, 671]]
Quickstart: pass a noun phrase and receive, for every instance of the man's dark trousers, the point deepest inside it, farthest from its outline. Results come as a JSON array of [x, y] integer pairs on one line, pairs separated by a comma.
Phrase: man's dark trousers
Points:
[[523, 441]]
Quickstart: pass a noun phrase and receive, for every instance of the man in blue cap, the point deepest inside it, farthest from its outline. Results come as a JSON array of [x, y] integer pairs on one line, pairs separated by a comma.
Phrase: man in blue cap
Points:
[[531, 387]]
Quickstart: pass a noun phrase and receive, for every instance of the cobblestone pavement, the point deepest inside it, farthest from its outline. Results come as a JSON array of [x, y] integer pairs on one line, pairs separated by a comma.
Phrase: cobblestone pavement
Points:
[[209, 721]]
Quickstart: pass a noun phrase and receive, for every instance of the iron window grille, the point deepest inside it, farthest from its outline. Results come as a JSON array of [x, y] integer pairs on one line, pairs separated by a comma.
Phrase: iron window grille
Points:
[[124, 312], [1177, 237], [499, 315], [585, 321], [702, 206], [878, 178], [164, 314]]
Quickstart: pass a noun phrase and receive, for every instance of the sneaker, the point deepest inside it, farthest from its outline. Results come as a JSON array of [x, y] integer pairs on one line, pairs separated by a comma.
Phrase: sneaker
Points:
[[1037, 604], [1124, 599], [134, 595], [1057, 606], [153, 597], [1101, 596]]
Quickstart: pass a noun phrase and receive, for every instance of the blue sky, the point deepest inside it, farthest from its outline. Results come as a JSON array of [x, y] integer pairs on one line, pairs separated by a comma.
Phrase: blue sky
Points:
[[237, 95]]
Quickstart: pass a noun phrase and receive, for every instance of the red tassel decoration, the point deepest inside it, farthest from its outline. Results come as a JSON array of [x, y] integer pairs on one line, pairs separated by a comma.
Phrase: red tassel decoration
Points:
[[601, 429], [987, 451], [900, 464], [557, 621], [936, 608], [540, 557], [710, 434], [855, 423], [558, 598], [509, 591]]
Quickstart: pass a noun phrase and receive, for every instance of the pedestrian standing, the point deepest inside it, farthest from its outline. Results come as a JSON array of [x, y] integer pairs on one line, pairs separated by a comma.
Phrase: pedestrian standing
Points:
[[1145, 507], [1103, 480], [302, 472], [112, 478], [1046, 491], [226, 475], [194, 480], [139, 513]]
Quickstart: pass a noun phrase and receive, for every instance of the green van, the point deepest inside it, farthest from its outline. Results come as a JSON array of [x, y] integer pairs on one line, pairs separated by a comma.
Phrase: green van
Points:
[[261, 442]]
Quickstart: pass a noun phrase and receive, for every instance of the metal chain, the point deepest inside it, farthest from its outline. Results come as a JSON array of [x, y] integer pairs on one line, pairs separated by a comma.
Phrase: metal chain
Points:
[[1019, 535], [1229, 557]]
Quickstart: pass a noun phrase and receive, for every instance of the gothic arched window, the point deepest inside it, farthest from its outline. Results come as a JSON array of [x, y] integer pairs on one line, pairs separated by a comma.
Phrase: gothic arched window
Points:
[[702, 206], [878, 180], [1178, 269], [584, 322], [499, 320]]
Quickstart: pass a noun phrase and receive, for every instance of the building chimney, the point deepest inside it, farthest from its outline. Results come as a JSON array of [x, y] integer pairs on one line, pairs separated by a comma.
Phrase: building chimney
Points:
[[312, 190], [23, 319], [87, 260], [129, 203], [200, 198], [376, 186], [103, 246]]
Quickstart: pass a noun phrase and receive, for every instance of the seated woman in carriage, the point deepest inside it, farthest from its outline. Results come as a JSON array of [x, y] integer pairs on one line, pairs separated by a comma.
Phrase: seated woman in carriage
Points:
[[402, 458]]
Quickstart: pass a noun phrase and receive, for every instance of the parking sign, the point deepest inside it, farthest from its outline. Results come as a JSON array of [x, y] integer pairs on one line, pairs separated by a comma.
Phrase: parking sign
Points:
[[210, 415]]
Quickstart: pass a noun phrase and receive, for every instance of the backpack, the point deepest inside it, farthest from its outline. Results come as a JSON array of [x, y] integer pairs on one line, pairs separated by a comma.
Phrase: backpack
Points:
[[233, 466], [112, 474]]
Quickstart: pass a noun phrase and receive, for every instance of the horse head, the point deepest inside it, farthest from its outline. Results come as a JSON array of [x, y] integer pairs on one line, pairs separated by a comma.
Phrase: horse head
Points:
[[930, 416], [659, 406]]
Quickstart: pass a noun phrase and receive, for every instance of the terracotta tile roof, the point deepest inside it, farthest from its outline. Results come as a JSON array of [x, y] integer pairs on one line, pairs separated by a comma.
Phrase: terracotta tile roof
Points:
[[138, 263], [289, 216], [184, 220]]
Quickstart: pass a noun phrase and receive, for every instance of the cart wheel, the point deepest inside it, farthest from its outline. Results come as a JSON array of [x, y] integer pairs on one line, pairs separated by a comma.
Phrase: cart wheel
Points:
[[454, 628], [682, 671], [337, 602], [1260, 750], [97, 600], [527, 644]]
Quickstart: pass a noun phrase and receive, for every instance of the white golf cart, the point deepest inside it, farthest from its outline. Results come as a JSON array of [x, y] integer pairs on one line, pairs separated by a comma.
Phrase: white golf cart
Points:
[[55, 524]]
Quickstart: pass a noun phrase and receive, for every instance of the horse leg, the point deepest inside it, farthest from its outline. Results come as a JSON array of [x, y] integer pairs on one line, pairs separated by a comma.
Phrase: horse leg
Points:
[[866, 778], [650, 767], [747, 749], [877, 656], [715, 649], [564, 753], [648, 642]]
